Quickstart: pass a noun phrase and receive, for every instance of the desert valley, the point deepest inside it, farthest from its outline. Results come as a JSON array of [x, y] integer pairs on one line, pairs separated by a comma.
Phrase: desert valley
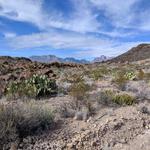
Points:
[[76, 106], [74, 74]]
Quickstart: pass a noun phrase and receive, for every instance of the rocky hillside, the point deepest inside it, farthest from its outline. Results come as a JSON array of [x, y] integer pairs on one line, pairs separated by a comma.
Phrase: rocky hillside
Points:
[[140, 52], [15, 69]]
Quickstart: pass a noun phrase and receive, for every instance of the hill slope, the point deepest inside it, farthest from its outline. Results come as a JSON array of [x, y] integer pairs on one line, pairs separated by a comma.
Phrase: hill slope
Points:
[[15, 69], [140, 52]]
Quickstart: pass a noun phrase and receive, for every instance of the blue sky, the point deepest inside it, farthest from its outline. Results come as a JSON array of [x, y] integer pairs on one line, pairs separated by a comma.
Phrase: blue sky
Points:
[[72, 28]]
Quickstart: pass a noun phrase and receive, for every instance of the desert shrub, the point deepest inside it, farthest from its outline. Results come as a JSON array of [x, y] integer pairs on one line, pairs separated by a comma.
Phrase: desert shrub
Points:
[[141, 74], [122, 77], [2, 85], [67, 110], [78, 90], [120, 80], [99, 73], [123, 99], [35, 87], [19, 121], [105, 97], [96, 74], [147, 76], [141, 89]]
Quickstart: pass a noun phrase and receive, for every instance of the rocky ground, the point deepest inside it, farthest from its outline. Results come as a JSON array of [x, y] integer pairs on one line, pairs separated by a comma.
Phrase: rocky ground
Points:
[[124, 128], [112, 127]]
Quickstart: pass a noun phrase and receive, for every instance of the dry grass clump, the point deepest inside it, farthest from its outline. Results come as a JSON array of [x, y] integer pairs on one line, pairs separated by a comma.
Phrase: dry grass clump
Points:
[[123, 99], [147, 76], [21, 120], [141, 74], [111, 98]]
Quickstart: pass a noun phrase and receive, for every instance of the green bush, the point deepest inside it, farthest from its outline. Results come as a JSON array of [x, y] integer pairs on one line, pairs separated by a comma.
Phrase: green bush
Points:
[[35, 87], [21, 120], [123, 99]]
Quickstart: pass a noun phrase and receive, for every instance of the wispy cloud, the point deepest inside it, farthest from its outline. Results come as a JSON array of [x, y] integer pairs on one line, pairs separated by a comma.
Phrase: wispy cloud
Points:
[[58, 40], [93, 27], [8, 35], [113, 49], [82, 20]]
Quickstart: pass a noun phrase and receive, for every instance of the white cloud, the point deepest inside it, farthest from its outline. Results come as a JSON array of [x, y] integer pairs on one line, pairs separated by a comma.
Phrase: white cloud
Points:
[[58, 41], [22, 10], [109, 50], [120, 12], [85, 18], [82, 20], [84, 45], [9, 35]]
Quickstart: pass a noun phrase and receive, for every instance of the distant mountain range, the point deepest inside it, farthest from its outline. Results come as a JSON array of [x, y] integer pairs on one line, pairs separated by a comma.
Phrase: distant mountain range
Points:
[[53, 58], [102, 58]]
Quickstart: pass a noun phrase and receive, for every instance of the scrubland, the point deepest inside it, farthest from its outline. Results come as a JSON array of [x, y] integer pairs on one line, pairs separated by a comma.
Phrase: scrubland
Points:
[[95, 106]]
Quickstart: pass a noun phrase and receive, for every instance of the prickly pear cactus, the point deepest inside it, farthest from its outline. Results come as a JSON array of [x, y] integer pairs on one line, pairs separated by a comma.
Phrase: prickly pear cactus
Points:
[[130, 75], [35, 87]]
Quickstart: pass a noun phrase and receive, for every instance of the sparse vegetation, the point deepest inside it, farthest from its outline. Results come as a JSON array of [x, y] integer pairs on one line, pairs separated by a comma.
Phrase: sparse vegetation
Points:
[[99, 72], [79, 88], [120, 80], [123, 99], [35, 87], [141, 74], [21, 120], [75, 92], [105, 97]]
